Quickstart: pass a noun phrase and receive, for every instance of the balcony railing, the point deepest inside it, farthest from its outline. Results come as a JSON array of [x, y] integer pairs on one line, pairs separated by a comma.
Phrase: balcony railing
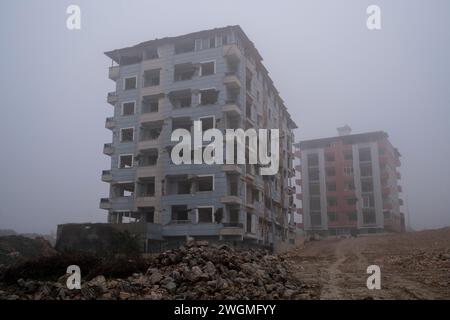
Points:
[[112, 98], [232, 225], [110, 123], [231, 80], [108, 149], [114, 72], [105, 203], [180, 221], [107, 176]]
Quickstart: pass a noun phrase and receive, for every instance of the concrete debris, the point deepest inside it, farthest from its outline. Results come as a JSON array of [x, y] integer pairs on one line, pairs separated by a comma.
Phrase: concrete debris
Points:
[[194, 271]]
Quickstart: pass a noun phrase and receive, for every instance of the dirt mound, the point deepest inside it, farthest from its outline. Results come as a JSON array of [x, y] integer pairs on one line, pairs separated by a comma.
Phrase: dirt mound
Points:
[[15, 248], [194, 271]]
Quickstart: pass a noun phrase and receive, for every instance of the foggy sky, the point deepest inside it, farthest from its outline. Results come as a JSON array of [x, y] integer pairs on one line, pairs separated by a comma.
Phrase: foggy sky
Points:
[[328, 67]]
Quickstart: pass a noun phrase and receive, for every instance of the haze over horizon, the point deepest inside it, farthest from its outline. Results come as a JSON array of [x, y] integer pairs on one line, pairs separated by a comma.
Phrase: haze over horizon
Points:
[[329, 68]]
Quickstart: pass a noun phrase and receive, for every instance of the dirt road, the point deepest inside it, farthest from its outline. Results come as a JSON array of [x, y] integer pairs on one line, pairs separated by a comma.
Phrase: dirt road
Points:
[[413, 266]]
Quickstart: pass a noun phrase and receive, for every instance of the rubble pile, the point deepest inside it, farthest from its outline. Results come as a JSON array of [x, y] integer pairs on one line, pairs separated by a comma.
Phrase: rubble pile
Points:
[[194, 271], [422, 260]]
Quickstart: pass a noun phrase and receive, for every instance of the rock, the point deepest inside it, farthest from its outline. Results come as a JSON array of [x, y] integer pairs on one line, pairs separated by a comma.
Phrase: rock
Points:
[[150, 271], [124, 295], [210, 268], [88, 293], [171, 286], [195, 273], [99, 283], [156, 277], [288, 293]]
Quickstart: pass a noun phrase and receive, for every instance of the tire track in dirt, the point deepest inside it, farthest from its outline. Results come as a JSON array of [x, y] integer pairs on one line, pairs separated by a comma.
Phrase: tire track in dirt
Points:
[[336, 268]]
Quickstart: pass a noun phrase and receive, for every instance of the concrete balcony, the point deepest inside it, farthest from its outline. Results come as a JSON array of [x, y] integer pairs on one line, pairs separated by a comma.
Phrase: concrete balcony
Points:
[[232, 168], [151, 116], [147, 171], [108, 149], [122, 203], [232, 229], [112, 98], [231, 200], [145, 201], [232, 80], [105, 203], [114, 72], [232, 52], [184, 227], [110, 123], [107, 176], [232, 108]]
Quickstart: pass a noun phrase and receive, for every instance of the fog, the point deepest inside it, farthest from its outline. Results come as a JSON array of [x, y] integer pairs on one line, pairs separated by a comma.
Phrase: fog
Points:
[[329, 68]]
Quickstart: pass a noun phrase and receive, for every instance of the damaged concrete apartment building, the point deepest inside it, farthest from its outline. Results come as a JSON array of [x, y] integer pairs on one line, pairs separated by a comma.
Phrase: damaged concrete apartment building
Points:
[[350, 184], [215, 76]]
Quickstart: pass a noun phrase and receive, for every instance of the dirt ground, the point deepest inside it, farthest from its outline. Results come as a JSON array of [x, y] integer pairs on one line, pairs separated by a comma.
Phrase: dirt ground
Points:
[[413, 265]]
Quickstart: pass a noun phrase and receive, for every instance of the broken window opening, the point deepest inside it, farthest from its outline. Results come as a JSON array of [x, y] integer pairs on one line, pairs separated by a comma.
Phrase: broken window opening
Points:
[[147, 214], [207, 123], [184, 46], [205, 183], [130, 83], [179, 214], [208, 96], [151, 53], [123, 190], [125, 161], [179, 184], [126, 134], [128, 108], [146, 187], [151, 130], [181, 99], [207, 68], [151, 78], [182, 123], [184, 71], [148, 157], [128, 60], [205, 214], [150, 104]]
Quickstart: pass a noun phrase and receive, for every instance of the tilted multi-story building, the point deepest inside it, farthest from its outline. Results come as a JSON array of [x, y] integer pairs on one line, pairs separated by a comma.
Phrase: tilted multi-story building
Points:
[[350, 184], [215, 76]]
